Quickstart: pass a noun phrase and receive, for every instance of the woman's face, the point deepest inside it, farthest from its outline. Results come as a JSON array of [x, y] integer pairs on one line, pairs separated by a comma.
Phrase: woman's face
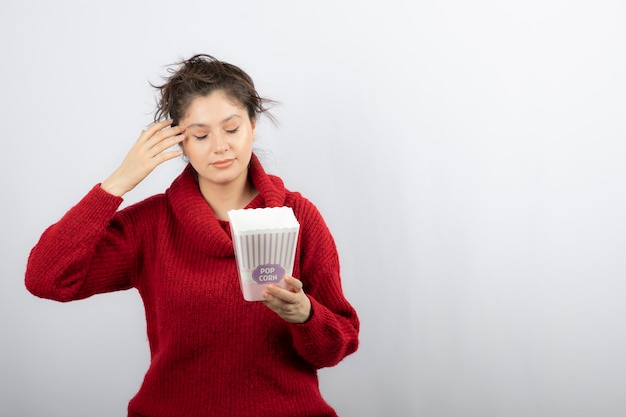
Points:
[[218, 139]]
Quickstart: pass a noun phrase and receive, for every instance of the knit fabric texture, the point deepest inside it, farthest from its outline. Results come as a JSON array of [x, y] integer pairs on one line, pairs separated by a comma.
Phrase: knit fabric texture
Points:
[[212, 352]]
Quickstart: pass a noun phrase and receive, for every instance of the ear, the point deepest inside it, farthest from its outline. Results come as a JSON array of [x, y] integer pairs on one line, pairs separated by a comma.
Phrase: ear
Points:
[[253, 123]]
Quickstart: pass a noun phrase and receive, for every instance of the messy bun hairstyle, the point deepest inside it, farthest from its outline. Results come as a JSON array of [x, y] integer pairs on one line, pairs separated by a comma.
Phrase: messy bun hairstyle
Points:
[[199, 76]]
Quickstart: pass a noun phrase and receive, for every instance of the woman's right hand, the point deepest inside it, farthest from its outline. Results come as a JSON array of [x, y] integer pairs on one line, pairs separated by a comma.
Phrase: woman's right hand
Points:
[[145, 155]]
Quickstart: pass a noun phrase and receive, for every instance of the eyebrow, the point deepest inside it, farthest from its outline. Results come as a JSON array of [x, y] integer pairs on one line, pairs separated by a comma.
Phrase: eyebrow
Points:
[[232, 116]]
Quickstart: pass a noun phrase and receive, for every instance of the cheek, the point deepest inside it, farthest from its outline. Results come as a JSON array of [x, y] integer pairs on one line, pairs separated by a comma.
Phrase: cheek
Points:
[[191, 146], [183, 146]]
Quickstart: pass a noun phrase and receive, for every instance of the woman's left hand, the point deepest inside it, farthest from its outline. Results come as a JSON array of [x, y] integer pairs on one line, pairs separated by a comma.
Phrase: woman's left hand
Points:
[[291, 303]]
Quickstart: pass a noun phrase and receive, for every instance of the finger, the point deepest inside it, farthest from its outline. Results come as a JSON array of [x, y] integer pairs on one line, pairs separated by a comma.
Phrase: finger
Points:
[[154, 128], [161, 141], [279, 306], [272, 302], [164, 134], [282, 295], [297, 312], [294, 283], [166, 156], [166, 143]]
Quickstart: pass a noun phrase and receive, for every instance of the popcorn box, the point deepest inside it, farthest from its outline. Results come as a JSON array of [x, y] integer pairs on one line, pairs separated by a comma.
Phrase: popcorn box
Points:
[[265, 242]]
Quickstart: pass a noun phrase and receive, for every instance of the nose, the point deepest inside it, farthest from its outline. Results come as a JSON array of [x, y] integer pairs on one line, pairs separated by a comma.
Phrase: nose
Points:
[[220, 144]]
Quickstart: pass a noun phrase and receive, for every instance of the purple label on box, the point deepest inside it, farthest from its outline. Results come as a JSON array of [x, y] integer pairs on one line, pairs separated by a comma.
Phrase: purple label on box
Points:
[[268, 274]]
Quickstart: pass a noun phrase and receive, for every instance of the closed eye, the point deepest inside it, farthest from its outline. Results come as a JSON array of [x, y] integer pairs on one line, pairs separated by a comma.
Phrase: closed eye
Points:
[[201, 137], [233, 131]]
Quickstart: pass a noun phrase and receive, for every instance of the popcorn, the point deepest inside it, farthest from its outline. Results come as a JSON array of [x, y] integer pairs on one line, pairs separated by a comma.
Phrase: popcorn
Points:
[[265, 241]]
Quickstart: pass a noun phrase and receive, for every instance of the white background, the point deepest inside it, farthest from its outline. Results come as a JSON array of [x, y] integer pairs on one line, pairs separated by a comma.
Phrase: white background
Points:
[[467, 155]]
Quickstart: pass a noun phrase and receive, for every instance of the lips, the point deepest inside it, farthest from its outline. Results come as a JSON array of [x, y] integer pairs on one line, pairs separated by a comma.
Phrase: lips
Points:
[[224, 163]]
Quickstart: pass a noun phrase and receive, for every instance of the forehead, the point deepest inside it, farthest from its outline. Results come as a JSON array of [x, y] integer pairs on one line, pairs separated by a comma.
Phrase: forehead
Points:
[[216, 107]]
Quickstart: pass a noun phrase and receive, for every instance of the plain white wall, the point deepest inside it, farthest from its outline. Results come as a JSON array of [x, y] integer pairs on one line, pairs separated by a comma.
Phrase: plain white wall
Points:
[[468, 156]]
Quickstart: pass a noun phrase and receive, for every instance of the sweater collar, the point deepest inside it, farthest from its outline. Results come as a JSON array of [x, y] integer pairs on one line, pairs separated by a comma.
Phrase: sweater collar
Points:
[[198, 220]]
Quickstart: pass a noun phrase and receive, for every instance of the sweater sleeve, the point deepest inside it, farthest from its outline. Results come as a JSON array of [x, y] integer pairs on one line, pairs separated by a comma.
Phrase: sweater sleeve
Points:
[[332, 332], [85, 253]]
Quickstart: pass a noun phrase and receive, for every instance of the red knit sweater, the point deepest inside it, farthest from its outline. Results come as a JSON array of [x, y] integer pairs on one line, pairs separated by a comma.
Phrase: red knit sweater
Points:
[[212, 353]]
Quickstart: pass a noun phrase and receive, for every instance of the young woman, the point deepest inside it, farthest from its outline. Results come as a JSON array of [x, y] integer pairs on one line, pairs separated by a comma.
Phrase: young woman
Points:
[[212, 352]]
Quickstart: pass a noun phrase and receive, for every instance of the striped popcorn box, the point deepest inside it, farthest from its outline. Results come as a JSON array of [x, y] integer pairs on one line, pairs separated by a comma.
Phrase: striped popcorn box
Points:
[[265, 242]]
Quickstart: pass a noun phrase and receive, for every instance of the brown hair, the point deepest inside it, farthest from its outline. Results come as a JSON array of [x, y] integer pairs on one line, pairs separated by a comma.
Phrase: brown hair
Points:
[[199, 76]]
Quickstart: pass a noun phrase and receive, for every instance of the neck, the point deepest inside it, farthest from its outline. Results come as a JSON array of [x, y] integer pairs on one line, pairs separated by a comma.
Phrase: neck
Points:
[[225, 197]]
